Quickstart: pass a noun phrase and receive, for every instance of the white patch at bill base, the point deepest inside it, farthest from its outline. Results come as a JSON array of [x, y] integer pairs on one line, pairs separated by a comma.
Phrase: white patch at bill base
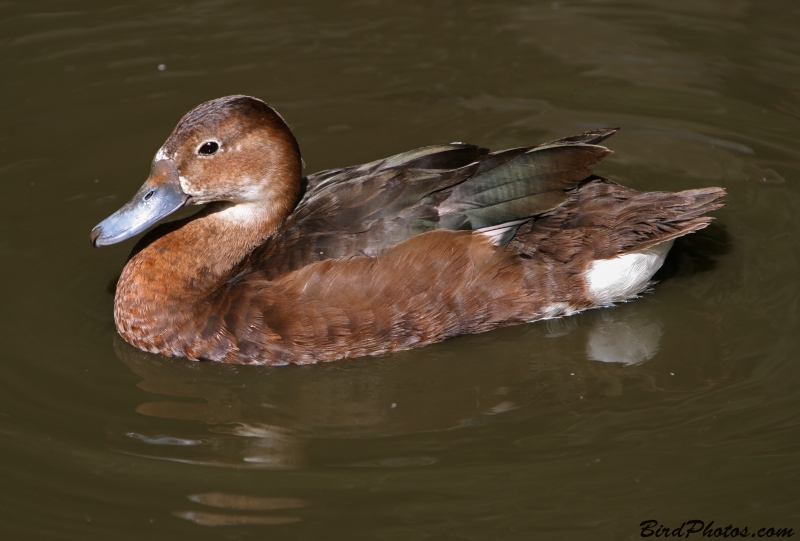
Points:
[[161, 155]]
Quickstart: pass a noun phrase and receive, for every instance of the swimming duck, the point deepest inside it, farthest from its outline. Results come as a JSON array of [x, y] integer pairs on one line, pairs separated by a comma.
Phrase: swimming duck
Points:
[[391, 255]]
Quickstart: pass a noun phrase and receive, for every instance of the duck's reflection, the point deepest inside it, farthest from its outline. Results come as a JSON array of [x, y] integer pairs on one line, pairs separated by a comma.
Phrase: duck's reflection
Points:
[[272, 417], [626, 340], [269, 417]]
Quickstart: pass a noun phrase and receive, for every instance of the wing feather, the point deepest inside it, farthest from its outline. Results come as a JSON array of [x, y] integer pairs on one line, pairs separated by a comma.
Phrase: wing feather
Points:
[[368, 208]]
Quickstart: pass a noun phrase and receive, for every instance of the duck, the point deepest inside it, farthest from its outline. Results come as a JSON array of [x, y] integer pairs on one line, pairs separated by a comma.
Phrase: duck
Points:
[[278, 268]]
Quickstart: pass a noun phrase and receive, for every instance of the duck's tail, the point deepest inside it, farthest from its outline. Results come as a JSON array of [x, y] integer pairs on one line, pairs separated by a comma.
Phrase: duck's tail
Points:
[[614, 236], [628, 220]]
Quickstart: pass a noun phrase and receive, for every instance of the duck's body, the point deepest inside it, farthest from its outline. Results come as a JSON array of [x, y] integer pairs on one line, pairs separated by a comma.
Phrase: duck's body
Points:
[[387, 256]]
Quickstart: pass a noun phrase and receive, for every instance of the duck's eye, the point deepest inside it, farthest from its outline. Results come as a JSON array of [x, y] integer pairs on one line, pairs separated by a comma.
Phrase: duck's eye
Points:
[[208, 148]]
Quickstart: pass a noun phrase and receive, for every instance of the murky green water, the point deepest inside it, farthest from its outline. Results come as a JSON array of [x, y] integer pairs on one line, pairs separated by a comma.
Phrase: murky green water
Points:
[[524, 433]]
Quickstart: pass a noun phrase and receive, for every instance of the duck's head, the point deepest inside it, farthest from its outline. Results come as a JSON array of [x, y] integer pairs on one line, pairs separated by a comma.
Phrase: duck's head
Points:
[[235, 149]]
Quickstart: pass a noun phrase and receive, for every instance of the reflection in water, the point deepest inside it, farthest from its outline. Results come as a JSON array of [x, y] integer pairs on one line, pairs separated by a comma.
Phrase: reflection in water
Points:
[[219, 519], [767, 176], [240, 502], [271, 417], [628, 340], [269, 447], [398, 462], [163, 440]]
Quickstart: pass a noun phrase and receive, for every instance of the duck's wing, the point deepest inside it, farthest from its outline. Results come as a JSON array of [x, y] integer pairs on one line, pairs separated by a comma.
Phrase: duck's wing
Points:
[[368, 208]]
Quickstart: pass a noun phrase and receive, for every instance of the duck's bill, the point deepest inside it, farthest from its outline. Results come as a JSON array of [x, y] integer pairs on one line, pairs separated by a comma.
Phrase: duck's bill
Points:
[[159, 197]]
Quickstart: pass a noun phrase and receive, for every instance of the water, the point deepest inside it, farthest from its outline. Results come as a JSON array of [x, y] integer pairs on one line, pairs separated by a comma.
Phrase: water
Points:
[[524, 433]]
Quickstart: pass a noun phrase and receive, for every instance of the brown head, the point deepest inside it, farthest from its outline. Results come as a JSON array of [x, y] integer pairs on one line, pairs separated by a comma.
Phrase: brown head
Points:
[[235, 149]]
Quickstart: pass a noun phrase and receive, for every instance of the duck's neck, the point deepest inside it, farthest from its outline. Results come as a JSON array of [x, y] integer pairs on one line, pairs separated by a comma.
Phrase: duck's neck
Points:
[[171, 281]]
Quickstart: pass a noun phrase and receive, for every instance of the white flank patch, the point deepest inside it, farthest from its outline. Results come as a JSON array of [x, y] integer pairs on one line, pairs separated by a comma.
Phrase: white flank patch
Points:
[[622, 277]]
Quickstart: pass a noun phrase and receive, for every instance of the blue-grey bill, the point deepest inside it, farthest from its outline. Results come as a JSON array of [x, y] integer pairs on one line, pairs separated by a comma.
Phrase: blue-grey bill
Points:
[[159, 197]]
